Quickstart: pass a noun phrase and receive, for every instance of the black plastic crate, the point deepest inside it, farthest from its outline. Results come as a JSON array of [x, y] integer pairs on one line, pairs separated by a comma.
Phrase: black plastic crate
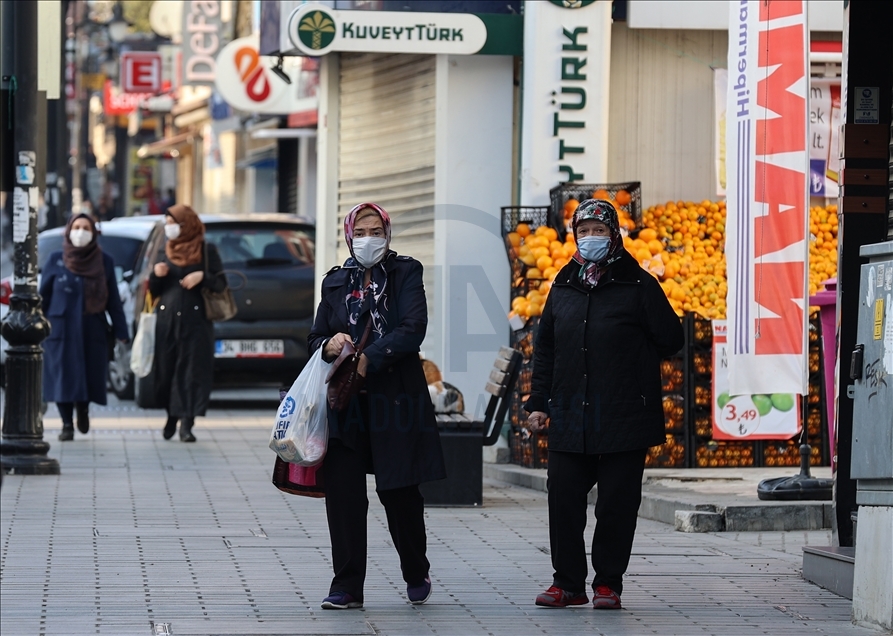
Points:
[[561, 194], [532, 215], [671, 454], [529, 450]]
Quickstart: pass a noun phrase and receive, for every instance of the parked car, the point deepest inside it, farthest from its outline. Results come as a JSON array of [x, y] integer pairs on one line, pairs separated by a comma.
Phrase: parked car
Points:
[[268, 260], [125, 241]]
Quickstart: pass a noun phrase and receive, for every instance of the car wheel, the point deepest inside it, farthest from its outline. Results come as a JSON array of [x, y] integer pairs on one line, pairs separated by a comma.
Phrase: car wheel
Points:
[[144, 391], [120, 376]]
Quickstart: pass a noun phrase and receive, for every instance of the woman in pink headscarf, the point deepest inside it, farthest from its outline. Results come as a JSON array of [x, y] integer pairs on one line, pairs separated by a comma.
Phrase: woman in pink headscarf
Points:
[[389, 429]]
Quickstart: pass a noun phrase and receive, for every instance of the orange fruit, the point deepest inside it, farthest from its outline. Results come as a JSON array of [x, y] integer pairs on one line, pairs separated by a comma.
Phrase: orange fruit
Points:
[[550, 233], [643, 254], [544, 262], [523, 229], [514, 239], [601, 194], [655, 246], [648, 234], [570, 207], [533, 272], [623, 197]]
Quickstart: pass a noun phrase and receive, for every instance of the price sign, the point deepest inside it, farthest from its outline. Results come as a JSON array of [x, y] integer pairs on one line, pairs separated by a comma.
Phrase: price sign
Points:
[[740, 417]]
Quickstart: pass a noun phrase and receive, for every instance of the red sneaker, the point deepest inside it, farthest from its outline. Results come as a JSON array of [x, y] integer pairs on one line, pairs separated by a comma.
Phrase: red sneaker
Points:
[[556, 597], [605, 598]]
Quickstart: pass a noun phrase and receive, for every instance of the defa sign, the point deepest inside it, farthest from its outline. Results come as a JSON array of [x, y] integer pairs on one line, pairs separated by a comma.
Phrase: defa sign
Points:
[[314, 30], [566, 78], [245, 81], [202, 39]]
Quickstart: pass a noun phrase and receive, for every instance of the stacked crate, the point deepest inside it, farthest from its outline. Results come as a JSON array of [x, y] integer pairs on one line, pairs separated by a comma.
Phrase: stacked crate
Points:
[[708, 453], [529, 450], [672, 454], [812, 410]]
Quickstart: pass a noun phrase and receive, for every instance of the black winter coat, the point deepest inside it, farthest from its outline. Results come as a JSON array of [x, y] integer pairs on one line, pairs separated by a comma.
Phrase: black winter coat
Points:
[[403, 436], [184, 338], [596, 368]]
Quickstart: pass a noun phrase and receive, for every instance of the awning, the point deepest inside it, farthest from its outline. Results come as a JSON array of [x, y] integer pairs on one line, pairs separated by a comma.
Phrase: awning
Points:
[[163, 146]]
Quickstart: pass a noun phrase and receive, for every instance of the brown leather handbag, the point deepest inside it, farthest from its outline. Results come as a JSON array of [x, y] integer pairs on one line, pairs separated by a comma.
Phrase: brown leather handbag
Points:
[[343, 379], [219, 306]]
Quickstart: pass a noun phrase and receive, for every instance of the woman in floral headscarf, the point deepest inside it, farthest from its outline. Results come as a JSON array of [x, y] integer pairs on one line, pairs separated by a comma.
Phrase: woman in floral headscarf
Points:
[[596, 379], [77, 288], [388, 430]]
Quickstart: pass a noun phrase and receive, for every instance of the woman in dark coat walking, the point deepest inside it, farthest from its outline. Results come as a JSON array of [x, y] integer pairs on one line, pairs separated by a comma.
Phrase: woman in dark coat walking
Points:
[[184, 337], [77, 288], [388, 430], [596, 376]]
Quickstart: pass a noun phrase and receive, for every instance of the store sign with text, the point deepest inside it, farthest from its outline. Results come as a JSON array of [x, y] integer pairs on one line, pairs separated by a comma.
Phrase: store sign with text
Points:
[[118, 102], [315, 29], [751, 417], [767, 156], [245, 81], [204, 33], [564, 137]]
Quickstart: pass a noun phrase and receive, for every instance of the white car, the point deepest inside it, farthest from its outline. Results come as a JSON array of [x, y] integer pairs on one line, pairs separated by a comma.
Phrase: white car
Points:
[[124, 240]]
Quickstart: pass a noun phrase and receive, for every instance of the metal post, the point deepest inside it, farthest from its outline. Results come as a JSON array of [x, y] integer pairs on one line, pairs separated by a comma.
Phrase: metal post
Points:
[[22, 449]]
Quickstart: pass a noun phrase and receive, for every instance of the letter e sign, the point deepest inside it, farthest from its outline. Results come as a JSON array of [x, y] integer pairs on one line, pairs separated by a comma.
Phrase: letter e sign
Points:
[[141, 72]]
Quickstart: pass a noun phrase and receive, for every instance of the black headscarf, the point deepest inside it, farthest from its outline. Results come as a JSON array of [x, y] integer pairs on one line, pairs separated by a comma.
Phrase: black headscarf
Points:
[[87, 262]]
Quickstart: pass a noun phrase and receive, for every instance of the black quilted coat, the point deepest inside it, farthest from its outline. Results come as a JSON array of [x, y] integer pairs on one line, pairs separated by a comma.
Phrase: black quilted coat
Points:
[[597, 360]]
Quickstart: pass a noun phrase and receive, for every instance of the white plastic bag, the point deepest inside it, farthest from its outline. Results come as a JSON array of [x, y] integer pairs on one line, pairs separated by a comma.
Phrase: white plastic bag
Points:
[[142, 354], [301, 432]]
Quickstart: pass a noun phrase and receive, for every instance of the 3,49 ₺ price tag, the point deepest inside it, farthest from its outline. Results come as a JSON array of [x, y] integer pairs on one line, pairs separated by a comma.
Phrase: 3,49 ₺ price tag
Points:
[[740, 416]]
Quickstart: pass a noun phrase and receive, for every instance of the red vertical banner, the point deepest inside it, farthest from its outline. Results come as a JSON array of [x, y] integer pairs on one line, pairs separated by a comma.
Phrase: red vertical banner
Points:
[[768, 204]]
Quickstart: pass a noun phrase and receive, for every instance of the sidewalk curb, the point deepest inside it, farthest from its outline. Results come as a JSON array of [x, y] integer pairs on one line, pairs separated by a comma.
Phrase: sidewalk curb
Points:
[[680, 511]]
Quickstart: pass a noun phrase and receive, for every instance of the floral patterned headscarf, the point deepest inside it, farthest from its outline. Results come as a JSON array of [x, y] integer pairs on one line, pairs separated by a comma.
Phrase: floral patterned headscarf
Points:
[[360, 298], [598, 210]]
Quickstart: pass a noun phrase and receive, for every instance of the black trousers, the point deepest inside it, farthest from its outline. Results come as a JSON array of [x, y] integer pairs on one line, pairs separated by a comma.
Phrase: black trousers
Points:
[[570, 478], [66, 410], [344, 471]]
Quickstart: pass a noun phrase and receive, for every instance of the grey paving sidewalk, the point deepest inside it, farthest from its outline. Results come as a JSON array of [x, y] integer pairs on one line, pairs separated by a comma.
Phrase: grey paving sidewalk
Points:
[[141, 536]]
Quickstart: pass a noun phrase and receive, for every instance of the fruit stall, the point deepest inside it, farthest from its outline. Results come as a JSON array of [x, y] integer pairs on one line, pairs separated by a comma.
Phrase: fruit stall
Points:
[[681, 244]]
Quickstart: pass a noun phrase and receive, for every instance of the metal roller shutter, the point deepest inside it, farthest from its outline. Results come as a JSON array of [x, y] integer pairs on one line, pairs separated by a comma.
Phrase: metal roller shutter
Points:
[[386, 149]]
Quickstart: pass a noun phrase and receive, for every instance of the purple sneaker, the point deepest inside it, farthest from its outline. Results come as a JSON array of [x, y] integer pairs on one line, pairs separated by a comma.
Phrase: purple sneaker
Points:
[[340, 600], [418, 594]]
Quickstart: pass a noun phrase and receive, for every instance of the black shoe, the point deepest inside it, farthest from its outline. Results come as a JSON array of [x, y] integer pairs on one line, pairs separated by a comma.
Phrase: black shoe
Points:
[[84, 420], [170, 427], [67, 433], [186, 430]]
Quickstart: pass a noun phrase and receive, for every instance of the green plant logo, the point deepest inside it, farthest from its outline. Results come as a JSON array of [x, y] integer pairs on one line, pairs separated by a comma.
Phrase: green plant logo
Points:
[[572, 4], [317, 30]]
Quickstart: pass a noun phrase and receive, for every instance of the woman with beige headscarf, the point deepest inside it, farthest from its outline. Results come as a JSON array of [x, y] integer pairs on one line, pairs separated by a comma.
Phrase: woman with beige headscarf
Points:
[[184, 337]]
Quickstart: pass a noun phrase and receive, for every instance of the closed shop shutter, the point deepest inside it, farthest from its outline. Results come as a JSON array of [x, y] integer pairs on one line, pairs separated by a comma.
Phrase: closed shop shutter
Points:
[[386, 149]]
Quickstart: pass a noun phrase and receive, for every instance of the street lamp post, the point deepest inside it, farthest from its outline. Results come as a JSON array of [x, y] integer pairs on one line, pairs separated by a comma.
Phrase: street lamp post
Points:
[[22, 448]]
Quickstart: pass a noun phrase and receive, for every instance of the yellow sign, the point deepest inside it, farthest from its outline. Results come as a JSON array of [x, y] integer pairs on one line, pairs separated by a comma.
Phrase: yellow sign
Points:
[[878, 318], [93, 81]]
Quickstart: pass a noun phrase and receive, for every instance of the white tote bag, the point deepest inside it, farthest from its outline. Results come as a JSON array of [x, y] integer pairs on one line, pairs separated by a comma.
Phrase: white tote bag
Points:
[[301, 432], [142, 353]]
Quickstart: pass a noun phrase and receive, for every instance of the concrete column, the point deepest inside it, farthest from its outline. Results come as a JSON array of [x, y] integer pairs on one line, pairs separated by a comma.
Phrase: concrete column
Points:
[[327, 169]]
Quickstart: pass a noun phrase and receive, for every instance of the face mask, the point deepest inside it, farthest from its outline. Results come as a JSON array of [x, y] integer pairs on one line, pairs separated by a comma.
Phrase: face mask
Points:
[[172, 230], [594, 248], [369, 250], [80, 238]]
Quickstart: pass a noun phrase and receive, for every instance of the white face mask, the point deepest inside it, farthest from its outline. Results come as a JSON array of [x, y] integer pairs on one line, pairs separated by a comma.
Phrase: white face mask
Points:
[[172, 230], [80, 238], [369, 250]]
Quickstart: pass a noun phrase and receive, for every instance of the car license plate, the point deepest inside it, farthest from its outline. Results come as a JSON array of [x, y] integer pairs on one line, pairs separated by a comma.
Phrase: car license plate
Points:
[[249, 349]]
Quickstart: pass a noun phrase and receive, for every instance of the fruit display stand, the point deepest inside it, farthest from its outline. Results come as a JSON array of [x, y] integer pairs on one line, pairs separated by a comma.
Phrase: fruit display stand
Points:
[[681, 244]]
